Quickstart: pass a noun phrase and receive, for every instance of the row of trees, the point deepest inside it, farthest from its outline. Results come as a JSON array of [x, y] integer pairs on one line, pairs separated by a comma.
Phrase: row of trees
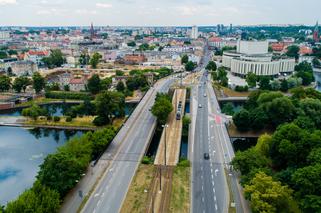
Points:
[[61, 171], [303, 76], [21, 83], [270, 109]]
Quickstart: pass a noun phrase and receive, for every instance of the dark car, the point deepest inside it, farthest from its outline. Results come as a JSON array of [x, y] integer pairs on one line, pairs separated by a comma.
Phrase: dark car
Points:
[[206, 156]]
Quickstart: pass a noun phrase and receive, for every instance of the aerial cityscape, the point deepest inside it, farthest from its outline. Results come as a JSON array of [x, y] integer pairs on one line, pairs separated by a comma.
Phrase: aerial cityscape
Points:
[[130, 106]]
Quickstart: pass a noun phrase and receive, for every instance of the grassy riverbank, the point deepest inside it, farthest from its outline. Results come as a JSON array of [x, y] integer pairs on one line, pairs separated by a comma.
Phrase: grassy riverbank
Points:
[[81, 122]]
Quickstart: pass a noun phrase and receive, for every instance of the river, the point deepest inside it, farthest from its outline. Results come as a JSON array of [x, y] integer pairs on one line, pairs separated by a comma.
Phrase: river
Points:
[[21, 153]]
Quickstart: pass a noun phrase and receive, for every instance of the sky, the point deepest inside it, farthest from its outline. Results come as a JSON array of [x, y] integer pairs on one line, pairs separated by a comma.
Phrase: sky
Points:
[[157, 12]]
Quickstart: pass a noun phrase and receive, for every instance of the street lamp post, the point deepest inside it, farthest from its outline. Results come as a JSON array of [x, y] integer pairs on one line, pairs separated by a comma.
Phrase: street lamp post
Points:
[[165, 127]]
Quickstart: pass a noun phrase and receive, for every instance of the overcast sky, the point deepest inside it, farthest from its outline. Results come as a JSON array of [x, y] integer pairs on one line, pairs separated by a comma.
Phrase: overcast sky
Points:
[[157, 12]]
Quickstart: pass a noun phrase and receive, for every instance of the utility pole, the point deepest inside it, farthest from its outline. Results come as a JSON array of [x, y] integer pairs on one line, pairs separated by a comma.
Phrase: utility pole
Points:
[[160, 178]]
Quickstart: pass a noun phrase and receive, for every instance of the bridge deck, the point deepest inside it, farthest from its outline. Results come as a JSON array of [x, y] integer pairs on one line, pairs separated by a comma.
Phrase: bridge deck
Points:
[[173, 133]]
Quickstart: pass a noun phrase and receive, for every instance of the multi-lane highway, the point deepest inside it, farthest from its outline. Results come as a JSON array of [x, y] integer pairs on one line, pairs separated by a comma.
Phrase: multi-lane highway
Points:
[[210, 177], [132, 140]]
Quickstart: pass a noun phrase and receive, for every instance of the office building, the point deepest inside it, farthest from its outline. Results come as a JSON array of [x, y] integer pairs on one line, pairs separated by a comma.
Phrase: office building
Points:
[[253, 56]]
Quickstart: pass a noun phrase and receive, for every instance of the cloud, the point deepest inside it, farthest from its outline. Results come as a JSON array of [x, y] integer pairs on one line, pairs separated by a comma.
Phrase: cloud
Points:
[[51, 11], [104, 5], [85, 12], [187, 11], [5, 2]]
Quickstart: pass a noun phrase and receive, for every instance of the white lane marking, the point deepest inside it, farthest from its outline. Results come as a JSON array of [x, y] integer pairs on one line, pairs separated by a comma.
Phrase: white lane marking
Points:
[[214, 198], [214, 190], [213, 182], [212, 176], [103, 195], [202, 177], [98, 202], [203, 199], [202, 188], [216, 207]]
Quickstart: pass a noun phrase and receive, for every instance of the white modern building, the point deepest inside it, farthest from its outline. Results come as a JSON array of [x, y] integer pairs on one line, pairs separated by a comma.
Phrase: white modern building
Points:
[[253, 56], [194, 33]]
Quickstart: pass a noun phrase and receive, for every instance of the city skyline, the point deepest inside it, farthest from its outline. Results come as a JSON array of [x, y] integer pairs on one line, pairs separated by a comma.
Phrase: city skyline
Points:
[[156, 13]]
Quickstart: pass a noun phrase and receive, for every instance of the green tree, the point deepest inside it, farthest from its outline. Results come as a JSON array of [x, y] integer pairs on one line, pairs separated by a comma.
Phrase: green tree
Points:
[[56, 59], [281, 110], [258, 118], [304, 66], [284, 85], [251, 79], [94, 84], [264, 83], [307, 180], [95, 59], [131, 44], [211, 66], [84, 59], [110, 105], [293, 51], [264, 144], [120, 87], [242, 120], [267, 195], [21, 83], [37, 199], [38, 82], [184, 59], [106, 83], [186, 123], [190, 66], [249, 160], [316, 62], [119, 73], [162, 108], [66, 88], [61, 171], [5, 83], [34, 112], [228, 109]]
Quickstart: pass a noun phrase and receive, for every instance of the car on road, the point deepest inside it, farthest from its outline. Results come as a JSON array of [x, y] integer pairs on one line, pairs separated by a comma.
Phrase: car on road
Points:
[[200, 106], [206, 156], [205, 95]]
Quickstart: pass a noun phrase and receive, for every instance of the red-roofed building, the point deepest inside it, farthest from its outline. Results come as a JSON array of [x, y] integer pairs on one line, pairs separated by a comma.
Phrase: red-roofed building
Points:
[[304, 50], [278, 47], [77, 84], [36, 56]]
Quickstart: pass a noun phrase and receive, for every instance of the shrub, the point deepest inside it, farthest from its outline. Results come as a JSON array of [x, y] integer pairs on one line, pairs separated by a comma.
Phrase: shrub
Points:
[[56, 119], [147, 160], [100, 121], [68, 95], [68, 119], [184, 163]]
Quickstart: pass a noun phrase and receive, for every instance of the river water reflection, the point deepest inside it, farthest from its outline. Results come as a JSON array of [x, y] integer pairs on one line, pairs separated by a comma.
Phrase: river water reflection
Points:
[[21, 153]]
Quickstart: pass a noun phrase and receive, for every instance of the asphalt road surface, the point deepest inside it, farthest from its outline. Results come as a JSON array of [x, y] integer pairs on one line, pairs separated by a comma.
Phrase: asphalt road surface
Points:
[[210, 177], [133, 138]]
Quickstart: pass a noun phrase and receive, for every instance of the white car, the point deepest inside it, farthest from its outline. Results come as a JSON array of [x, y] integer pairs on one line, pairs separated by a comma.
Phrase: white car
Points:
[[200, 106]]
